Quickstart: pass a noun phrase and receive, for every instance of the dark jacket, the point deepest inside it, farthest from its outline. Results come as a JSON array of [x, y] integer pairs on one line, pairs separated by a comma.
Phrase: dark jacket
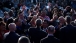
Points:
[[11, 37], [68, 34], [36, 34], [50, 39]]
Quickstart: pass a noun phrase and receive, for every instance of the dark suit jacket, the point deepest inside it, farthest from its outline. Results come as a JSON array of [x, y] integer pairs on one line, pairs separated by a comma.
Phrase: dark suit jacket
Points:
[[68, 34], [11, 37], [50, 39], [36, 34]]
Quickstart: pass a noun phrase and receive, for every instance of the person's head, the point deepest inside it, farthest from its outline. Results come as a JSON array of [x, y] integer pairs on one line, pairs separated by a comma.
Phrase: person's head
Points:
[[10, 20], [23, 7], [68, 19], [23, 39], [20, 14], [61, 19], [12, 27], [55, 10], [51, 29], [6, 15], [45, 23], [43, 13], [18, 22], [68, 8], [13, 8], [2, 26], [38, 22], [11, 13]]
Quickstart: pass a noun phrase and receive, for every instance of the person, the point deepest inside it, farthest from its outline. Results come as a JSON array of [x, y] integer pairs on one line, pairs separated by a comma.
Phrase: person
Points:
[[50, 37], [11, 36], [68, 32], [23, 39], [45, 25], [61, 23], [6, 16], [2, 30], [44, 15], [35, 33], [9, 20], [18, 26]]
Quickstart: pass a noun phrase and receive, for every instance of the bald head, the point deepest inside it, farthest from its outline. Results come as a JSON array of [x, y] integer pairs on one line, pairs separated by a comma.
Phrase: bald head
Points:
[[12, 26]]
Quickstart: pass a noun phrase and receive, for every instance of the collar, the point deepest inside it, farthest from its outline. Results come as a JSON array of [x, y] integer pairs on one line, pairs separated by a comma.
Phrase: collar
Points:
[[50, 34]]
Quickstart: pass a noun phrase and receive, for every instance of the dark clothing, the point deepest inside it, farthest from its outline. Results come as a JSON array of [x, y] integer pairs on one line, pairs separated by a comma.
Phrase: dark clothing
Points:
[[11, 37], [68, 34], [36, 34], [50, 39]]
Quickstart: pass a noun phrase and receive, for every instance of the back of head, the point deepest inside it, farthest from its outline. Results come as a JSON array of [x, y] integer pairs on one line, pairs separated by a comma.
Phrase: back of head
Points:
[[10, 20], [38, 22], [51, 29], [23, 39], [68, 19], [12, 27]]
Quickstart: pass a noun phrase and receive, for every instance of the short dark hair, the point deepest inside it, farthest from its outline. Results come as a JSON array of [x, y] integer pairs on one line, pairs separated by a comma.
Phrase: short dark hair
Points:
[[19, 12], [6, 13], [46, 21], [16, 20], [23, 39], [51, 28], [10, 20], [68, 19], [38, 22]]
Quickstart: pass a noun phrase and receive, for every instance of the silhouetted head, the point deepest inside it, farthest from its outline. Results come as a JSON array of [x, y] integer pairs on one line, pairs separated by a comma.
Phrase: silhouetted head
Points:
[[23, 39]]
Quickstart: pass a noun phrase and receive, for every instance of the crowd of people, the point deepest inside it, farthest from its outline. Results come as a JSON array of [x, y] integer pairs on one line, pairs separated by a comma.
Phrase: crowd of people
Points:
[[40, 23]]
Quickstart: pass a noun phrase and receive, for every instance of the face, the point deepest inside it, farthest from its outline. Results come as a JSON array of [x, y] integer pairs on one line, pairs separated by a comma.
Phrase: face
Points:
[[62, 20], [6, 16], [21, 16], [19, 22], [45, 24], [2, 27]]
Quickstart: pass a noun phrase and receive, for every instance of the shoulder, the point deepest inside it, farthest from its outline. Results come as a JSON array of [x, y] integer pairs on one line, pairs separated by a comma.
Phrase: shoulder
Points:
[[31, 29], [17, 34], [6, 34], [62, 28], [43, 39], [56, 39]]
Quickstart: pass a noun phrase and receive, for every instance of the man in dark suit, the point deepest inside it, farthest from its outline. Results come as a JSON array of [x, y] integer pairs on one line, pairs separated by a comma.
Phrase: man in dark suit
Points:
[[68, 32], [11, 36], [50, 38], [35, 33]]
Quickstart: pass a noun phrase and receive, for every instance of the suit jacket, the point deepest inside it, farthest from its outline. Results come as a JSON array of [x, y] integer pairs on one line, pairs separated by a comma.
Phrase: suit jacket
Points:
[[68, 34], [50, 39], [36, 34], [11, 37]]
